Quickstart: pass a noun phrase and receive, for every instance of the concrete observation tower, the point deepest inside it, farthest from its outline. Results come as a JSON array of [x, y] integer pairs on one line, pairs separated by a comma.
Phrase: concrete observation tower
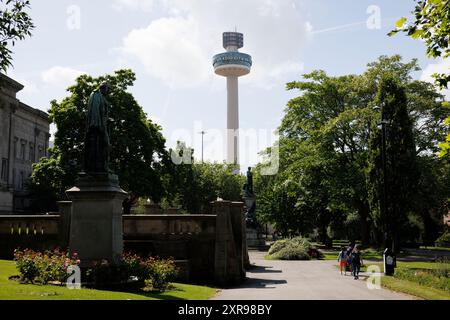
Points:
[[232, 65]]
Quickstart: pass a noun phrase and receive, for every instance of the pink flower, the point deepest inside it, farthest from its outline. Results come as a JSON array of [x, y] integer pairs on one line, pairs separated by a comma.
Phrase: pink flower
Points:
[[78, 261]]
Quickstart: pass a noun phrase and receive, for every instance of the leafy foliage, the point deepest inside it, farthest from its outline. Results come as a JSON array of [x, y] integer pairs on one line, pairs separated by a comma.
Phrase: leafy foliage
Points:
[[44, 267], [432, 25], [15, 24], [401, 168], [297, 248], [321, 188], [443, 240], [38, 267], [192, 186]]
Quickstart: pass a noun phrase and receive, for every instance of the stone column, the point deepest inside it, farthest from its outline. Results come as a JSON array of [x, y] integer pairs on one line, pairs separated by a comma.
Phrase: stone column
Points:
[[65, 213], [226, 264], [238, 221], [96, 226]]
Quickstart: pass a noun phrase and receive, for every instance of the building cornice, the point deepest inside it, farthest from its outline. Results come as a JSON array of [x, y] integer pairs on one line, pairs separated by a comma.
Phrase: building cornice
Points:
[[12, 84]]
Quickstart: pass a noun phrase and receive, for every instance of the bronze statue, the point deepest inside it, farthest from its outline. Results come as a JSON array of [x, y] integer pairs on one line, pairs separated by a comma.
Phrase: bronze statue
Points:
[[97, 144], [248, 187], [250, 202]]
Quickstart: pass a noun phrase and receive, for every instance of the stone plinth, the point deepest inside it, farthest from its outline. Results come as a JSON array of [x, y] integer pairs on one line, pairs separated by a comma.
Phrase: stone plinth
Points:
[[96, 223], [254, 239], [229, 252]]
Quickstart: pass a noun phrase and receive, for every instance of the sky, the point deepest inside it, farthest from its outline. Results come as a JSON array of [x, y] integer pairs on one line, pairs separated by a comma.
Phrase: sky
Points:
[[169, 44]]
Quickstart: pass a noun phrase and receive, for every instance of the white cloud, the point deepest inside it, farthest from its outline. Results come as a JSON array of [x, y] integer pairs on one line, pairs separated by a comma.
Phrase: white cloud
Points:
[[178, 47], [146, 5], [60, 76], [169, 50], [442, 66]]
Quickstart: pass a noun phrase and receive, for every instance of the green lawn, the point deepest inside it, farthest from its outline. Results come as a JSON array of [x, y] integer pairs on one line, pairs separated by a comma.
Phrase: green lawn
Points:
[[427, 292], [13, 290], [435, 248], [414, 289]]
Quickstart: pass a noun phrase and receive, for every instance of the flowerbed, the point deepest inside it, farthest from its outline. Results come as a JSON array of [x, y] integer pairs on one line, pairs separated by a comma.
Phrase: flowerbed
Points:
[[51, 267], [38, 267]]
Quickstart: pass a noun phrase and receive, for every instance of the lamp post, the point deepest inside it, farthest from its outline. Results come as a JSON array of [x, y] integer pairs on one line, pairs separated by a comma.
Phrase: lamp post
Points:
[[203, 134], [389, 259], [383, 205]]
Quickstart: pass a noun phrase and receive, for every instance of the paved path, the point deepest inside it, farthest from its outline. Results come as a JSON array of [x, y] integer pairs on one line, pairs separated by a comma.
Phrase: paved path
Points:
[[302, 280]]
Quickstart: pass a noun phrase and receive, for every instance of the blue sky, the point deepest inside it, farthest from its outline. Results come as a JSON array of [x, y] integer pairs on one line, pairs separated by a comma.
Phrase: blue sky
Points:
[[170, 43]]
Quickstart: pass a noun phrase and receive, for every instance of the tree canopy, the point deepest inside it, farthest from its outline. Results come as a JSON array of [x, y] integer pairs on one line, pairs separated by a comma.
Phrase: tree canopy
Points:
[[432, 25], [15, 24], [324, 147]]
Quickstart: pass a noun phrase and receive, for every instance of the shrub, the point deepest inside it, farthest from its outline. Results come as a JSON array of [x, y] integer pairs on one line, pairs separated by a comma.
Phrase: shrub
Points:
[[443, 240], [160, 273], [43, 267], [290, 252], [37, 267], [425, 277], [277, 246], [26, 265], [297, 248]]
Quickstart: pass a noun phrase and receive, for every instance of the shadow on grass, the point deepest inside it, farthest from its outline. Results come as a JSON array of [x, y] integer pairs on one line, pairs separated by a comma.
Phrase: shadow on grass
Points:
[[160, 295]]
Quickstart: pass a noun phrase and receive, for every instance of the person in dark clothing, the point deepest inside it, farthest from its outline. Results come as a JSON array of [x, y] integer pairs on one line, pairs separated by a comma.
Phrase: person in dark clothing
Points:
[[349, 265], [356, 262]]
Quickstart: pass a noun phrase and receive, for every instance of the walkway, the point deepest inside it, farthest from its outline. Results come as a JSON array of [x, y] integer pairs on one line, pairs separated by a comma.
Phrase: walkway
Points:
[[302, 280]]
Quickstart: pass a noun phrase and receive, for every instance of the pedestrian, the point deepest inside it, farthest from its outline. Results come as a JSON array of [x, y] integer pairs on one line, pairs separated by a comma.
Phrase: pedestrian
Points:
[[350, 247], [275, 235], [356, 262], [342, 259]]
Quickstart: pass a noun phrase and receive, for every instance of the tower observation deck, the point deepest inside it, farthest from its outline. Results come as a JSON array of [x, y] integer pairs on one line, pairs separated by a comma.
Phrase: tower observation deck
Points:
[[232, 64]]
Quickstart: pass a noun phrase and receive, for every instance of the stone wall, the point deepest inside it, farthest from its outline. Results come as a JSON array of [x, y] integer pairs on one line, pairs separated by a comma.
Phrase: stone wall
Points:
[[209, 248], [33, 232]]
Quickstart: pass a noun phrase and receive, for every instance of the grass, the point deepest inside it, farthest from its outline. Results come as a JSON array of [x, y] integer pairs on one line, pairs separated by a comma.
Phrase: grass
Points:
[[369, 254], [435, 248], [414, 289], [12, 290]]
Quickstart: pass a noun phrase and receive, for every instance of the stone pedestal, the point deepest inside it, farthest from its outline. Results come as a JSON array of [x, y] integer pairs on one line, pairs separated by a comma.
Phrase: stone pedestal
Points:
[[254, 239], [65, 214], [229, 252], [96, 224]]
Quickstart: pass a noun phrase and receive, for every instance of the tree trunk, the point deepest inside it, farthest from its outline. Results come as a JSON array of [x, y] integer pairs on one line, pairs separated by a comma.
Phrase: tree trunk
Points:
[[363, 211]]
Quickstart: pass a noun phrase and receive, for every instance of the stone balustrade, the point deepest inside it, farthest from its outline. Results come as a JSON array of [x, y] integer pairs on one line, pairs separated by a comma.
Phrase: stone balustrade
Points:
[[212, 247]]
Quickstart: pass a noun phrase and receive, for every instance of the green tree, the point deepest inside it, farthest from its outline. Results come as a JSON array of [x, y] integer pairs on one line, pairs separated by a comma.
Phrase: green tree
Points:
[[193, 186], [324, 149], [138, 152], [15, 24], [401, 167], [432, 25]]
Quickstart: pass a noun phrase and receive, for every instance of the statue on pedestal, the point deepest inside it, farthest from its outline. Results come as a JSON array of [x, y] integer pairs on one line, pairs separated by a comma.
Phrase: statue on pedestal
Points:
[[96, 230], [97, 143], [250, 202]]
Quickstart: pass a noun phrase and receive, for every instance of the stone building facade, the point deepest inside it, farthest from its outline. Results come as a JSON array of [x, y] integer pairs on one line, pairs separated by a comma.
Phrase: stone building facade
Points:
[[24, 139]]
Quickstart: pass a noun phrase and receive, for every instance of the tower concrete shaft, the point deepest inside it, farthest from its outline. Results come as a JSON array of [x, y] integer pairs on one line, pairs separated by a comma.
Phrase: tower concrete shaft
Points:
[[232, 119], [232, 65]]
